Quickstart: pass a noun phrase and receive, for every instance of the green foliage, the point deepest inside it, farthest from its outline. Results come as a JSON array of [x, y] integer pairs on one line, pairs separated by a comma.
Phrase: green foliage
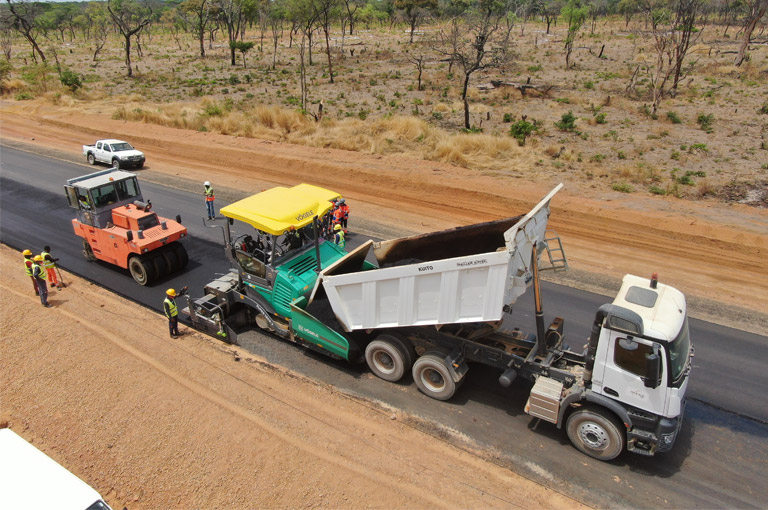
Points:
[[705, 122], [567, 122], [521, 130], [589, 85], [71, 80], [656, 190], [534, 69], [763, 109], [621, 155], [622, 187], [362, 114], [673, 118], [293, 100], [508, 118], [698, 147], [5, 69], [23, 96], [213, 110], [234, 79], [600, 118]]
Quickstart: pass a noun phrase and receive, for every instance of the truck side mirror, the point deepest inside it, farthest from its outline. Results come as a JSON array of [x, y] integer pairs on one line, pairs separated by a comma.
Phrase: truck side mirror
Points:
[[652, 371]]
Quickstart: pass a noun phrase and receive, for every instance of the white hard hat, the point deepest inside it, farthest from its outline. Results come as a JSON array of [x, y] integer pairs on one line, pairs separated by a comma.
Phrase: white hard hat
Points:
[[206, 183]]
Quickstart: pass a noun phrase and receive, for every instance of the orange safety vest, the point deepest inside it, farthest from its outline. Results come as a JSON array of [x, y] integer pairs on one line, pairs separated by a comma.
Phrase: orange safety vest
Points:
[[338, 214], [209, 194]]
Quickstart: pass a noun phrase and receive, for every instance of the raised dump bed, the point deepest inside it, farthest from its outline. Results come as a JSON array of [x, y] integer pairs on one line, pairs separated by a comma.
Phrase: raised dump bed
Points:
[[466, 274]]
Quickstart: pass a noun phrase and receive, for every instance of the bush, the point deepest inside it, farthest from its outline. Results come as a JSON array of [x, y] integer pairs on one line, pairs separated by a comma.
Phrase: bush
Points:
[[600, 118], [5, 69], [763, 109], [656, 190], [507, 118], [567, 122], [71, 80], [234, 79], [521, 130], [673, 118], [622, 187], [705, 121]]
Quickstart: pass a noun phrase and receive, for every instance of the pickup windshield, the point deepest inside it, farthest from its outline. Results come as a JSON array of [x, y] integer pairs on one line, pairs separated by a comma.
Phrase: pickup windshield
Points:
[[124, 146], [679, 350]]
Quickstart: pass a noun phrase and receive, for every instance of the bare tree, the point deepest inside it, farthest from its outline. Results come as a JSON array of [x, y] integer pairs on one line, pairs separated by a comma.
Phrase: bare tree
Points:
[[199, 13], [756, 10], [419, 60], [674, 32], [23, 18], [476, 47], [325, 10], [575, 14], [130, 17]]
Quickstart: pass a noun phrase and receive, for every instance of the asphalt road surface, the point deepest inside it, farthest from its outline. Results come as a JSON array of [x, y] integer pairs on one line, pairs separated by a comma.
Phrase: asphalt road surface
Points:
[[719, 459]]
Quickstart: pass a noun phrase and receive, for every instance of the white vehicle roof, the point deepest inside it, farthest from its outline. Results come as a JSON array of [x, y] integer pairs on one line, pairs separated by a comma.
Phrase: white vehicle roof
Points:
[[112, 140], [31, 479], [662, 309], [97, 179]]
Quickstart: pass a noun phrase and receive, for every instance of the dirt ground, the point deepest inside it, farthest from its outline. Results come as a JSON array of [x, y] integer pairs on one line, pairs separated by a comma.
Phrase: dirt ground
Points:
[[153, 422], [714, 252]]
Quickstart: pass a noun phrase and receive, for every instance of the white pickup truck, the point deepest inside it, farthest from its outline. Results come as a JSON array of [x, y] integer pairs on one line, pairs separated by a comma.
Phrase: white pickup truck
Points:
[[118, 153]]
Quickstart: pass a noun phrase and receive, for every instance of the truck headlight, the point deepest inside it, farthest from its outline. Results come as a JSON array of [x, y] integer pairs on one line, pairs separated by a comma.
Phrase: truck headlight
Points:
[[668, 438]]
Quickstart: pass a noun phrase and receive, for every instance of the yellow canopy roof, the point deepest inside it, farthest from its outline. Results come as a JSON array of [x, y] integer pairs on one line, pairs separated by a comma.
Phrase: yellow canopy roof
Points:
[[276, 209]]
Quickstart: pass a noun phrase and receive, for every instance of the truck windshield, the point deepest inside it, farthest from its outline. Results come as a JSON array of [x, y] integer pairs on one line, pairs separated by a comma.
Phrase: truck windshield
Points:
[[116, 147], [107, 194], [679, 350]]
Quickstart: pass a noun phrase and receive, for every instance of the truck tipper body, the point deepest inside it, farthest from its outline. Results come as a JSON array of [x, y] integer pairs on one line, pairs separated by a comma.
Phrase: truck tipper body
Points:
[[119, 227], [430, 304]]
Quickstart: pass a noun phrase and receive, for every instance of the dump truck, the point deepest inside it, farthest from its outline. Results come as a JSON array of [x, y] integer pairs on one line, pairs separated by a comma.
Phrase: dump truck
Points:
[[119, 227], [430, 304]]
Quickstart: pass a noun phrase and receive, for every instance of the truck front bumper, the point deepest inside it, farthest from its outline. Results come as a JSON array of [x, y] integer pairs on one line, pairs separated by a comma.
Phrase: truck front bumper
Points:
[[659, 440]]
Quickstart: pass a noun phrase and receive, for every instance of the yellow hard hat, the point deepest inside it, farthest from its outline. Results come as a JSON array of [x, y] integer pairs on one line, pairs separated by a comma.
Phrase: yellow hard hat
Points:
[[337, 227], [38, 258], [26, 253], [171, 292]]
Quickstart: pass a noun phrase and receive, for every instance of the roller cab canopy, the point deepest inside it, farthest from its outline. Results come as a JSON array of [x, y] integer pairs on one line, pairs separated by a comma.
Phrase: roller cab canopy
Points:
[[273, 211]]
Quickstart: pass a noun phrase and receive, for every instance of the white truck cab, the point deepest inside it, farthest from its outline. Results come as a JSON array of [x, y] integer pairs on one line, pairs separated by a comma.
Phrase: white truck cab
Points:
[[31, 479], [642, 360]]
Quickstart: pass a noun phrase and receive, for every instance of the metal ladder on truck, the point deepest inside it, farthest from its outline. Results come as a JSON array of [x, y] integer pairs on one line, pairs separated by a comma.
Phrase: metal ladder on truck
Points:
[[554, 248]]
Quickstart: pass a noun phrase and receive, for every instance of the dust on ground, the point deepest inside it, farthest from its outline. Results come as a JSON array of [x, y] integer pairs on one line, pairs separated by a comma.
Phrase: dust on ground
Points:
[[155, 422], [714, 252]]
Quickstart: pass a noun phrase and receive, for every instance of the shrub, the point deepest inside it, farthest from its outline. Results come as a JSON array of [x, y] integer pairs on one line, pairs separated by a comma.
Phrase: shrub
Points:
[[234, 79], [621, 155], [534, 69], [71, 80], [763, 109], [656, 190], [622, 187], [589, 85], [567, 122], [507, 118], [521, 130], [705, 121], [600, 118], [673, 118]]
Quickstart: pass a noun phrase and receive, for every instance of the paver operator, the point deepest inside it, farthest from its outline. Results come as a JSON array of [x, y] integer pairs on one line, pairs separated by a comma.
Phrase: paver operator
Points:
[[172, 310]]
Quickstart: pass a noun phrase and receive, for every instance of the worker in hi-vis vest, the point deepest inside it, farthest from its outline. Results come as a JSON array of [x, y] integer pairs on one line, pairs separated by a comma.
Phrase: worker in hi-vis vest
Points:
[[172, 310], [209, 198]]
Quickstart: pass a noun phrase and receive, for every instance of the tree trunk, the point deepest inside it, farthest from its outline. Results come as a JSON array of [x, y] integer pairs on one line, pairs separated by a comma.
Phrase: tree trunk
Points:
[[466, 101], [758, 12], [328, 51], [128, 55]]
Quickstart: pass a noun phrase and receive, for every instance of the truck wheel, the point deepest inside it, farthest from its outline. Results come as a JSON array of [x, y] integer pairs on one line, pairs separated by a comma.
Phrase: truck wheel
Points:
[[139, 270], [91, 158], [171, 260], [88, 252], [432, 376], [181, 254], [596, 433], [159, 264], [116, 163], [386, 359]]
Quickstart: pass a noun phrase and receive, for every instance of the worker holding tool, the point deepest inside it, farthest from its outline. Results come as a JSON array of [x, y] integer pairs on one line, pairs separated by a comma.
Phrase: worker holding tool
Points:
[[28, 268], [38, 273], [172, 310], [50, 266], [338, 238], [209, 198]]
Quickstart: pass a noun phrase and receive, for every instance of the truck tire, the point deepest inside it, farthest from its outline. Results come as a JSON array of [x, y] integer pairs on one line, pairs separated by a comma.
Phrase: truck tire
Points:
[[596, 432], [91, 158], [141, 270], [116, 163], [433, 377], [387, 359], [159, 263], [88, 252], [181, 254], [171, 259]]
